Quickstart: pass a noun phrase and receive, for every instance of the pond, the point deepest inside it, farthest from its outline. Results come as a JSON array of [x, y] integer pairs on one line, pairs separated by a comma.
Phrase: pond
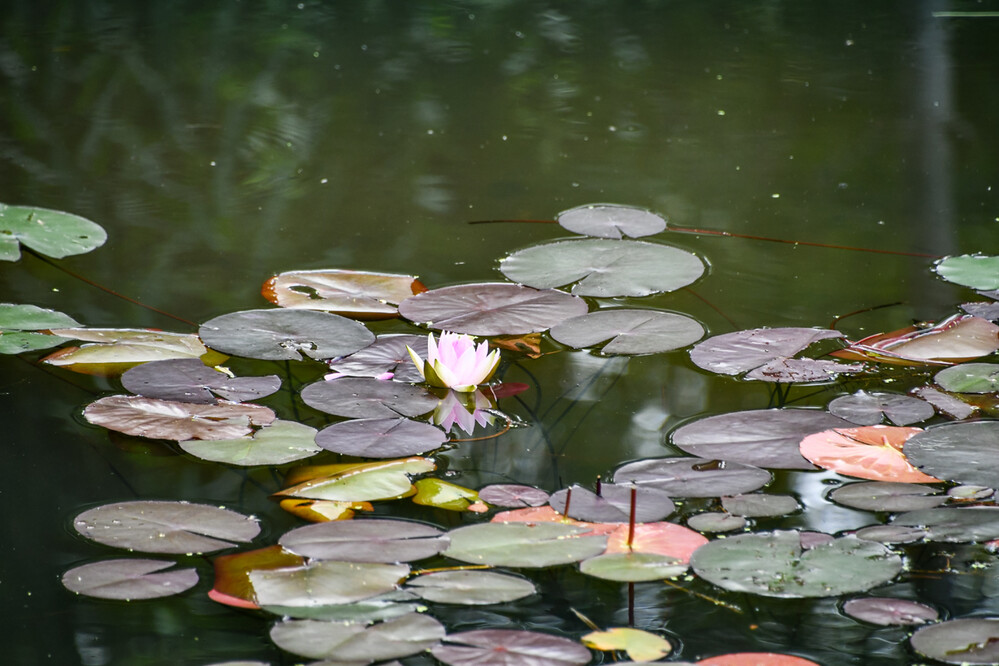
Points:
[[813, 159]]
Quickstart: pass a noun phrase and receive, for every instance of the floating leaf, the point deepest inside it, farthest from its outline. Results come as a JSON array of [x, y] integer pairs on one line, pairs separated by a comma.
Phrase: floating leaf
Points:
[[279, 335], [611, 221], [319, 511], [470, 587], [444, 495], [986, 310], [513, 495], [693, 477], [800, 370], [380, 438], [325, 582], [18, 323], [605, 268], [129, 579], [165, 419], [953, 340], [374, 609], [887, 496], [776, 565], [629, 331], [866, 452], [714, 521], [118, 349], [232, 574], [759, 505], [368, 540], [632, 567], [963, 452], [966, 641], [891, 534], [344, 642], [363, 482], [493, 308], [49, 232], [762, 437], [969, 378], [741, 351], [387, 354], [523, 544], [660, 538], [640, 645], [365, 397], [970, 270], [865, 408], [166, 527], [357, 294], [944, 403], [275, 444], [508, 647], [190, 380], [756, 659], [889, 612], [613, 505], [954, 524]]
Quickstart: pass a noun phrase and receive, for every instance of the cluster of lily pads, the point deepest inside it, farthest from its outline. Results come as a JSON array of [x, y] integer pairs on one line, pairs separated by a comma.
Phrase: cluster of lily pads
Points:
[[345, 587]]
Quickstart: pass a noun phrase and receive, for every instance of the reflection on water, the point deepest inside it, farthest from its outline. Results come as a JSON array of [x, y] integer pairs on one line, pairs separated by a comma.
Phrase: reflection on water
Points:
[[220, 144]]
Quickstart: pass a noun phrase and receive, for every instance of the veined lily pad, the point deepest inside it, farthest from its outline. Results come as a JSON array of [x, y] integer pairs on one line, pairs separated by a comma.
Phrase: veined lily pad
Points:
[[367, 540], [953, 340], [970, 270], [190, 380], [325, 582], [888, 612], [165, 419], [599, 267], [866, 452], [129, 579], [19, 324], [887, 496], [964, 452], [523, 544], [693, 477], [387, 354], [49, 232], [776, 565], [493, 308], [969, 378], [865, 408], [275, 444], [640, 645], [166, 527], [611, 221], [365, 397], [381, 438], [357, 294], [629, 331], [279, 334], [471, 588], [513, 495], [632, 567], [613, 505], [354, 643], [741, 351], [954, 524], [508, 647]]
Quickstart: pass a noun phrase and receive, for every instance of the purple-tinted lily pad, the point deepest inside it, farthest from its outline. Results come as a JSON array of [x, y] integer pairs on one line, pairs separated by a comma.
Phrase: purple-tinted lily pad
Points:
[[693, 477], [613, 504], [985, 309], [190, 380], [964, 452], [761, 437], [887, 496], [491, 308], [523, 544], [969, 378], [954, 524], [275, 444], [606, 268], [513, 495], [387, 354], [472, 588], [714, 521], [365, 397], [167, 419], [944, 403], [280, 334], [629, 331], [891, 534], [611, 221], [741, 351], [381, 438], [166, 527], [759, 505], [967, 641], [354, 642], [801, 370], [366, 540], [865, 408], [888, 612], [508, 647], [325, 582], [129, 579], [776, 565]]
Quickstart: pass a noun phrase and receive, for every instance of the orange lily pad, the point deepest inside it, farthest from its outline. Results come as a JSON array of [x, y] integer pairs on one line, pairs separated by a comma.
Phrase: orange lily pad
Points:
[[870, 452]]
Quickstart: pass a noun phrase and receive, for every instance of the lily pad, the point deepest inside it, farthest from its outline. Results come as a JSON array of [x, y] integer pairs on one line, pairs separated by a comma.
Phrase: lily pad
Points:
[[963, 452], [954, 524], [367, 540], [629, 331], [865, 408], [944, 403], [801, 370], [866, 452], [166, 419], [969, 378], [632, 567], [446, 495], [275, 444], [611, 221], [716, 521], [374, 609], [892, 534], [887, 496], [49, 232], [492, 308], [357, 294], [640, 645], [190, 380], [613, 504], [232, 574], [986, 310], [966, 641], [523, 544], [970, 270], [890, 612], [115, 350], [693, 477], [387, 354], [381, 438], [355, 643], [513, 495], [363, 482], [776, 565], [279, 334], [470, 588], [509, 647], [129, 579], [19, 324], [365, 397], [166, 527], [953, 340], [325, 582], [741, 351], [761, 437], [760, 505], [606, 268]]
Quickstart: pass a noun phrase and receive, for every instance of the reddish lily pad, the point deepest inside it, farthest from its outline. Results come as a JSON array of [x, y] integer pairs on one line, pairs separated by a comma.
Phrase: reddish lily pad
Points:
[[357, 294], [953, 340], [513, 495], [693, 477], [611, 221], [963, 452], [508, 647], [190, 380], [865, 408], [613, 504], [492, 308], [354, 643], [965, 641], [386, 355], [890, 612], [756, 659], [629, 331], [381, 438], [166, 419], [741, 351], [866, 452], [366, 397], [367, 540], [129, 579]]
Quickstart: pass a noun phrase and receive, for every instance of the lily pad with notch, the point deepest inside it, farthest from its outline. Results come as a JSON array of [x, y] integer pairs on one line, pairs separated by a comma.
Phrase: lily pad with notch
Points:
[[354, 643], [190, 380], [523, 544], [491, 308], [357, 294], [366, 540], [278, 443], [21, 325], [604, 268], [129, 579], [285, 335], [613, 504], [693, 477], [470, 588], [509, 647], [52, 233], [970, 270], [629, 331], [742, 351], [167, 419], [887, 496], [611, 221], [381, 438], [361, 482], [865, 408], [801, 370], [366, 397], [962, 452], [387, 354]]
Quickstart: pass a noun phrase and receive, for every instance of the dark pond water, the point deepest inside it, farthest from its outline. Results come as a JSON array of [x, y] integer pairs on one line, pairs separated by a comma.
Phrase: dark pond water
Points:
[[221, 143]]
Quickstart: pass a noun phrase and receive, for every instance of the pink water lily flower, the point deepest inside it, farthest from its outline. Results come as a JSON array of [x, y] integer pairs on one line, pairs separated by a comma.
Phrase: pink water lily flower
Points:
[[456, 362]]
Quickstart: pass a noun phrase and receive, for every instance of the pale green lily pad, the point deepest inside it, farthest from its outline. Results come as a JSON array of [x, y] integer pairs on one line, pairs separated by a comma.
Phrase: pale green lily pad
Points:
[[383, 607], [970, 270], [715, 521], [49, 232], [275, 444], [384, 481], [632, 567], [471, 588], [523, 544], [969, 378], [325, 582], [611, 221], [759, 505]]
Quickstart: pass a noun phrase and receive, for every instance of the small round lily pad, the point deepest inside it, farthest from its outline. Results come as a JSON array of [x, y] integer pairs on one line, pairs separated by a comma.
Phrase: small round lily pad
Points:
[[887, 612], [628, 331], [965, 641], [969, 378], [970, 270], [129, 579], [611, 221]]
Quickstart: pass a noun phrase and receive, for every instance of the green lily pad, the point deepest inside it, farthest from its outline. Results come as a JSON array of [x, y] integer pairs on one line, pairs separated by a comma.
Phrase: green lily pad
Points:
[[611, 221], [759, 505], [470, 588], [715, 521], [963, 452], [49, 232], [966, 641], [523, 544], [970, 270], [606, 268], [632, 567], [375, 609], [366, 540], [129, 579], [275, 444], [969, 378], [325, 582], [629, 331], [364, 483], [355, 643], [18, 323]]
